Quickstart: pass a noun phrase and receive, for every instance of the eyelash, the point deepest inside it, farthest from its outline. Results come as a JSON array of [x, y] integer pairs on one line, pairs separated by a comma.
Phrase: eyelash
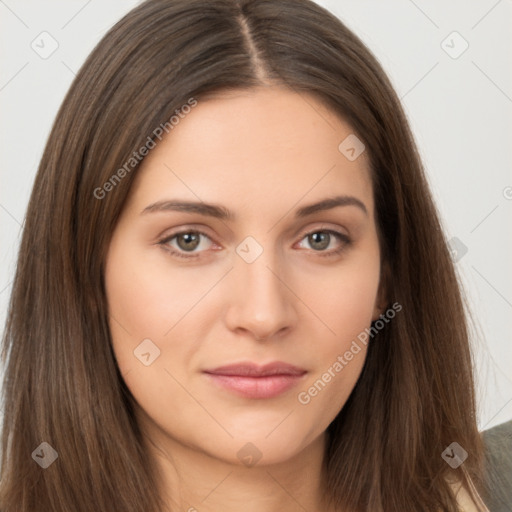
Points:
[[340, 236]]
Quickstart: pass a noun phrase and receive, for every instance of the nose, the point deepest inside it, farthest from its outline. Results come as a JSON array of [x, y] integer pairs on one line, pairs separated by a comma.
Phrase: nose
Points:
[[260, 303]]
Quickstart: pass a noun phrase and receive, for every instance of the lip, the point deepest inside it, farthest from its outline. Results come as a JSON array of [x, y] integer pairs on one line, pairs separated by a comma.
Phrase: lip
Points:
[[254, 381]]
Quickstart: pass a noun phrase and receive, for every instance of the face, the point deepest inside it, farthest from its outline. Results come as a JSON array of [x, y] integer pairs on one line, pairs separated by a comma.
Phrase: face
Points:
[[243, 267]]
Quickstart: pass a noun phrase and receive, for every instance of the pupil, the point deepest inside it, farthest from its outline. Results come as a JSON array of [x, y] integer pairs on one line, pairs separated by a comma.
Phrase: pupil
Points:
[[190, 241]]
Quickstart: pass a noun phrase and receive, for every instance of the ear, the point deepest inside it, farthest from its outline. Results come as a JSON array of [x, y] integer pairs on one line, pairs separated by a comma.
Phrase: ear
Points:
[[382, 299]]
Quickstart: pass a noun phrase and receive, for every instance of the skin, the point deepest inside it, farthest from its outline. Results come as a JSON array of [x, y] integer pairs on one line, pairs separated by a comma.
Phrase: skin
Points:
[[262, 154]]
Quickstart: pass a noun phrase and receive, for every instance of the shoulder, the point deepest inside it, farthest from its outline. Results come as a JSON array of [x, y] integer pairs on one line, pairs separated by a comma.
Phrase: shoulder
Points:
[[464, 500], [498, 465], [497, 495], [498, 444]]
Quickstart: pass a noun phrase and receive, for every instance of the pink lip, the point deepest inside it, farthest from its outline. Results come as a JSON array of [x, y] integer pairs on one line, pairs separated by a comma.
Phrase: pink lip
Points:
[[253, 381]]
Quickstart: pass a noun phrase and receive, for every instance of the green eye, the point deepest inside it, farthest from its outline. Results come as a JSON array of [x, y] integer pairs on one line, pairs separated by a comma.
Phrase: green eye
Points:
[[185, 243], [188, 241], [320, 240]]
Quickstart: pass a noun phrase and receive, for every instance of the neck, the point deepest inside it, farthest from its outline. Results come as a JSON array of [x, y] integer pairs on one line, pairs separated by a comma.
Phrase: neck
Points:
[[193, 481]]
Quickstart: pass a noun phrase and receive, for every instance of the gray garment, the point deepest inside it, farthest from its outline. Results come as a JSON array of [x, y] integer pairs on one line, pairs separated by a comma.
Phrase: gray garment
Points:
[[498, 458]]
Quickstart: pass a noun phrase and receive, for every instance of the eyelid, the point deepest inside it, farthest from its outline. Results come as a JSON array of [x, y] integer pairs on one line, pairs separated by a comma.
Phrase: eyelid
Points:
[[323, 226], [189, 228], [164, 240], [344, 239]]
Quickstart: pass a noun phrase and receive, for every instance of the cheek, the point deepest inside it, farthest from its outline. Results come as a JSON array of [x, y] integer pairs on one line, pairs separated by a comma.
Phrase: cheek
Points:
[[344, 297], [345, 302], [325, 394], [148, 302], [338, 358], [150, 299], [146, 299]]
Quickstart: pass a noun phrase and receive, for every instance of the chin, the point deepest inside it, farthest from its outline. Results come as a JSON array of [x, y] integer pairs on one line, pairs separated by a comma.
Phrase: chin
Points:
[[259, 448]]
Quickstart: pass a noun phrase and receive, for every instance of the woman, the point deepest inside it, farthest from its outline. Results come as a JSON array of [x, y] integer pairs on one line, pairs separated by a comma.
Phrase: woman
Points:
[[233, 290]]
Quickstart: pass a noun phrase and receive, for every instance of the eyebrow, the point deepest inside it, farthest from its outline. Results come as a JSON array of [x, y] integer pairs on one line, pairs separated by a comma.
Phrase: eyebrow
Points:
[[222, 213]]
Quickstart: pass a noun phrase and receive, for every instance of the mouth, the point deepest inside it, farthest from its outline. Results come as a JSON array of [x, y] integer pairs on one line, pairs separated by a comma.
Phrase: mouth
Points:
[[258, 382]]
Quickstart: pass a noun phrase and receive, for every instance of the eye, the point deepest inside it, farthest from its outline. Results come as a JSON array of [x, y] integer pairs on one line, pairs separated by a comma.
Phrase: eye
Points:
[[186, 244], [326, 241], [191, 243]]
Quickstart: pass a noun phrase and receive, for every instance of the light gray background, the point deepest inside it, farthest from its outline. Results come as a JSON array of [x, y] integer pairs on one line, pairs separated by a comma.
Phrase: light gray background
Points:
[[460, 110]]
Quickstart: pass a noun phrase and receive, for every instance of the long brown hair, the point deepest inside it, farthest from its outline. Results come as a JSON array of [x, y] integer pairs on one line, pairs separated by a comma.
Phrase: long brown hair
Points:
[[62, 385]]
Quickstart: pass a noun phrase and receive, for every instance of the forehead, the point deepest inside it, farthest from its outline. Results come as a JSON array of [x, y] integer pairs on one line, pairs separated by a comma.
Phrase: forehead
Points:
[[269, 145]]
